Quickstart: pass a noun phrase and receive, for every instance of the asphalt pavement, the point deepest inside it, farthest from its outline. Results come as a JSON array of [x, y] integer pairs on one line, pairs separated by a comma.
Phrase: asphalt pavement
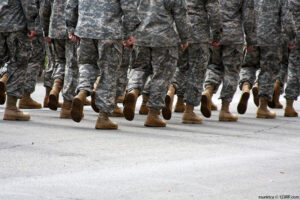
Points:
[[49, 158]]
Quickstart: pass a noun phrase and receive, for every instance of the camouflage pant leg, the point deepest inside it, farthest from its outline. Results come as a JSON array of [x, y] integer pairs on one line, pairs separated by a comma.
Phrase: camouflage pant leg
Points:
[[283, 76], [249, 67], [293, 81], [19, 52], [60, 59], [110, 57], [179, 78], [146, 90], [163, 62], [3, 51], [269, 65], [122, 79], [87, 63], [3, 69], [71, 71], [48, 81], [232, 56], [198, 55], [141, 68], [215, 70], [36, 62]]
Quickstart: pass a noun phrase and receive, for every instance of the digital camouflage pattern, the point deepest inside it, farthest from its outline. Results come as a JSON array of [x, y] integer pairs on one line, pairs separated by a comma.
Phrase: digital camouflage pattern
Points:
[[225, 66], [17, 15], [101, 19], [94, 57], [161, 62], [204, 17], [52, 13], [267, 59], [271, 18], [36, 62], [158, 18], [293, 81], [122, 79], [191, 75], [179, 79], [236, 21], [48, 81]]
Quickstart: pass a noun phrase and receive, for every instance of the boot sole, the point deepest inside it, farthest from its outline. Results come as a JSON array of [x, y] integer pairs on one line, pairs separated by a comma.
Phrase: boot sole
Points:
[[93, 105], [52, 104], [190, 122], [77, 109], [105, 128], [227, 120], [290, 115], [204, 107], [242, 106], [2, 93], [166, 111], [13, 118], [158, 126], [129, 106], [255, 96], [264, 117]]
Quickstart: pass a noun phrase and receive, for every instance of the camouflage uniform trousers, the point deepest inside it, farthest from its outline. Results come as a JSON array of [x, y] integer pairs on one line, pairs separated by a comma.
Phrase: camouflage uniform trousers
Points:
[[282, 77], [293, 80], [100, 57], [18, 47], [267, 59], [48, 81], [122, 79], [225, 66], [190, 75], [66, 67], [160, 62], [36, 61]]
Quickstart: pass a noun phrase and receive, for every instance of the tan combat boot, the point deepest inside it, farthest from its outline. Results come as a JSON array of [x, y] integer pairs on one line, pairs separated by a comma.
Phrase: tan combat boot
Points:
[[87, 102], [54, 94], [129, 104], [243, 103], [167, 109], [65, 112], [117, 112], [189, 117], [263, 111], [46, 98], [144, 110], [206, 101], [153, 120], [3, 89], [289, 110], [276, 95], [103, 122], [179, 106], [225, 115], [26, 102], [77, 106], [11, 111], [255, 94], [214, 106]]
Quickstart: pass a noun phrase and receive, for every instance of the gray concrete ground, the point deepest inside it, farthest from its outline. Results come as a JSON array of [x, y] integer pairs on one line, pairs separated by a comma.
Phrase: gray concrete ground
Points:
[[49, 158]]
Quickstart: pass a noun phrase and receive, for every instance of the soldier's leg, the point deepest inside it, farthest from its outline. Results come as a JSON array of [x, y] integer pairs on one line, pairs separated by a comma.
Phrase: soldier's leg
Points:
[[48, 81], [110, 57], [58, 73], [214, 75], [198, 62], [36, 61], [70, 79], [163, 62], [232, 56], [146, 92], [88, 72], [269, 64], [19, 52], [179, 79], [293, 81], [141, 70], [248, 77]]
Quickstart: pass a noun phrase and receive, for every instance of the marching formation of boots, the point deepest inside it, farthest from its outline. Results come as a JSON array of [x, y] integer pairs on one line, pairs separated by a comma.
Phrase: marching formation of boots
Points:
[[156, 50]]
